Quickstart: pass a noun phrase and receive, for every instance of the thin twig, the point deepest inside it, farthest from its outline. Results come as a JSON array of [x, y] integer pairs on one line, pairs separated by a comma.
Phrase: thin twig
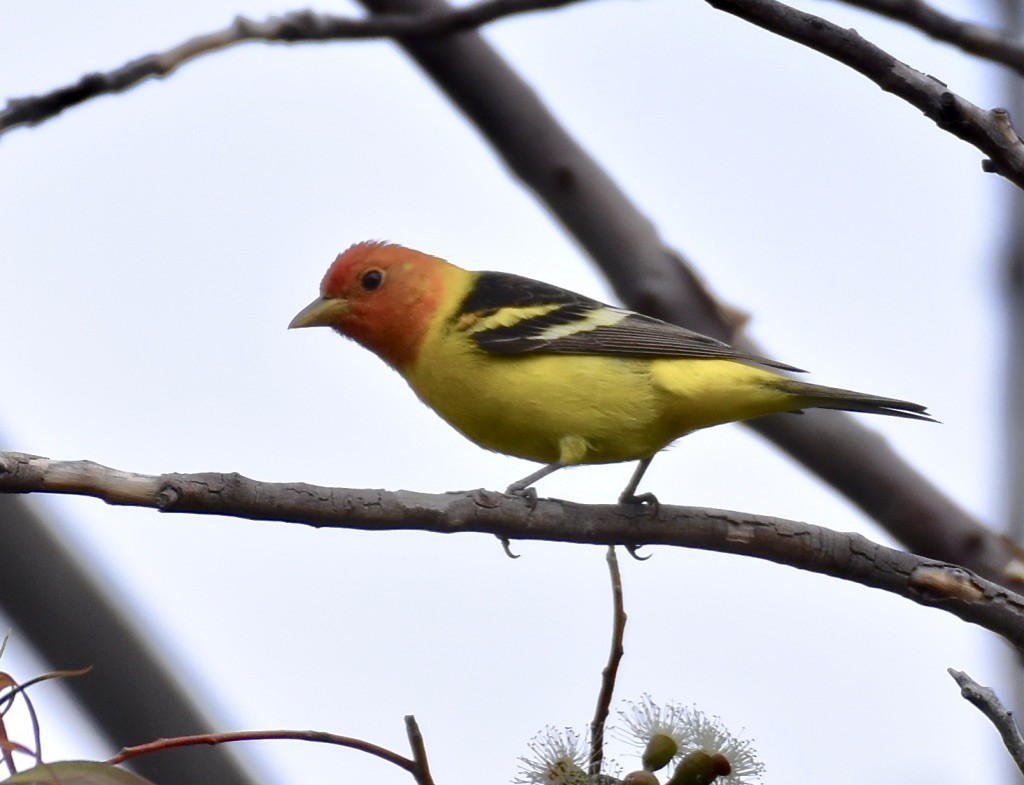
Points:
[[294, 27], [6, 699], [841, 555], [420, 770], [987, 42], [611, 670], [265, 735], [989, 704]]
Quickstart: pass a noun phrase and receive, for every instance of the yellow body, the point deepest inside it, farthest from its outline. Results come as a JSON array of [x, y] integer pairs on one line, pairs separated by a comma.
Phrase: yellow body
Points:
[[578, 408]]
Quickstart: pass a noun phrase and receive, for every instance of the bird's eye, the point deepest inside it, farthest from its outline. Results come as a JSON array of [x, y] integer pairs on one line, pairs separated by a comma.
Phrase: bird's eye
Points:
[[372, 279]]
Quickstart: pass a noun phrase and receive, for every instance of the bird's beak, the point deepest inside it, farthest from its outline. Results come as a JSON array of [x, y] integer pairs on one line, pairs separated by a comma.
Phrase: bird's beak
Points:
[[322, 312]]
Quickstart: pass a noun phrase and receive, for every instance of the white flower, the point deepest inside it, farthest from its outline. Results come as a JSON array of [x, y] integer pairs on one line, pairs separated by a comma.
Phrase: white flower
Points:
[[650, 727], [661, 732], [557, 758], [710, 736]]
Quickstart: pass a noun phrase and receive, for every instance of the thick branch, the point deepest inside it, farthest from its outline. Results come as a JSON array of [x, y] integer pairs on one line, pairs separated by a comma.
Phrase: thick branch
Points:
[[987, 42], [297, 26], [847, 556]]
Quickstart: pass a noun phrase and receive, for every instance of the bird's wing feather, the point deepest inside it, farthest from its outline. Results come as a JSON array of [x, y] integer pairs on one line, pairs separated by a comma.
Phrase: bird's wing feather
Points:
[[509, 314]]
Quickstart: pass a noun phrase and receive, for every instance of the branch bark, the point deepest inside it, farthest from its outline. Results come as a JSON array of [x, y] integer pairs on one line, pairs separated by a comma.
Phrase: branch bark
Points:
[[987, 42], [847, 556]]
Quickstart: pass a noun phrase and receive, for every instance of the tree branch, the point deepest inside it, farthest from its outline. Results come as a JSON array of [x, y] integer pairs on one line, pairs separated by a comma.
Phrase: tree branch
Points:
[[847, 556], [988, 130], [420, 770], [129, 753], [989, 704], [987, 42], [293, 27], [611, 670]]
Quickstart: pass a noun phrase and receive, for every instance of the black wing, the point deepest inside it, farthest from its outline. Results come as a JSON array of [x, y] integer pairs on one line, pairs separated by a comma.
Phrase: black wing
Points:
[[509, 314]]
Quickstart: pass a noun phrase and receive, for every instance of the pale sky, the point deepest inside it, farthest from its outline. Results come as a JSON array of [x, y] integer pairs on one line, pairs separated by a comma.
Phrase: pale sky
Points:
[[157, 243]]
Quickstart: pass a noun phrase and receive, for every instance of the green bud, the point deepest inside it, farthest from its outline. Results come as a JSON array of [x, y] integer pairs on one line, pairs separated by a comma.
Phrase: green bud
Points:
[[642, 777], [659, 751], [698, 768]]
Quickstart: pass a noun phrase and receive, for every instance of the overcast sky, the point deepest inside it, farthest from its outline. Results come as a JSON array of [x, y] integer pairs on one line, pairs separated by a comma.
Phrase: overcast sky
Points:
[[157, 243]]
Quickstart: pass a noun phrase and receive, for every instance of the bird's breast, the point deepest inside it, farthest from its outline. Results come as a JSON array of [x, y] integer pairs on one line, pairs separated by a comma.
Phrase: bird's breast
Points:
[[531, 406]]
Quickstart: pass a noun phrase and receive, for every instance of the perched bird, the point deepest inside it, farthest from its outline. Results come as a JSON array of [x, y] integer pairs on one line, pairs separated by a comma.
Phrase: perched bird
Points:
[[531, 370]]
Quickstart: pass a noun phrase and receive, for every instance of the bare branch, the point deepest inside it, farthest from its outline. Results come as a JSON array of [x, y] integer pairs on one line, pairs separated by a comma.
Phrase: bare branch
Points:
[[847, 556], [988, 130], [611, 670], [987, 42], [986, 700], [421, 771], [264, 735], [294, 27]]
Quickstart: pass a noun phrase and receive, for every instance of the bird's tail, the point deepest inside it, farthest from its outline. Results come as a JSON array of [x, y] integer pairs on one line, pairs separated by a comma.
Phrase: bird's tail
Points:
[[820, 397]]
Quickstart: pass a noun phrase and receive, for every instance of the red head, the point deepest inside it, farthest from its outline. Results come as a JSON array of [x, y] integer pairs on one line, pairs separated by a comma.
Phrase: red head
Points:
[[381, 295]]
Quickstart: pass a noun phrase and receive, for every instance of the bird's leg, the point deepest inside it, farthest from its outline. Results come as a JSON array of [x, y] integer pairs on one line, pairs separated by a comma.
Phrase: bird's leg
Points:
[[522, 487], [628, 495]]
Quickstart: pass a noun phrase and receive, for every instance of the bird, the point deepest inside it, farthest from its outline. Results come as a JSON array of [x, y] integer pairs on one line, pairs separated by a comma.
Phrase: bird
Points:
[[532, 370]]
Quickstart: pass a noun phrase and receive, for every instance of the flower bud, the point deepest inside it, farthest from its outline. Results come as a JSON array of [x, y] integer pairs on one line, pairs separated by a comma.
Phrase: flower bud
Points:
[[697, 768], [661, 748], [642, 777]]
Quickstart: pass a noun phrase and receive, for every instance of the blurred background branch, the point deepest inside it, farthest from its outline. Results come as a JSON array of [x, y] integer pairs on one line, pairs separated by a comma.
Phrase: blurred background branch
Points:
[[73, 621]]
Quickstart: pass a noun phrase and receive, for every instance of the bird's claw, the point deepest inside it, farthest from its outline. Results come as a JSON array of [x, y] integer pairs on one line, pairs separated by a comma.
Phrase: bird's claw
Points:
[[633, 552], [507, 546], [643, 499]]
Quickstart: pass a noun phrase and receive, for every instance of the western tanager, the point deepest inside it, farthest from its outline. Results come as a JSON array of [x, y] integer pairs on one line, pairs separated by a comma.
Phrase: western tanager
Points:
[[531, 370]]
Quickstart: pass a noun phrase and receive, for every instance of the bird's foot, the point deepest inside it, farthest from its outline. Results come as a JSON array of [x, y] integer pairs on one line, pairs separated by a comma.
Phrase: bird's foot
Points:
[[525, 492], [643, 499], [507, 546], [639, 500]]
